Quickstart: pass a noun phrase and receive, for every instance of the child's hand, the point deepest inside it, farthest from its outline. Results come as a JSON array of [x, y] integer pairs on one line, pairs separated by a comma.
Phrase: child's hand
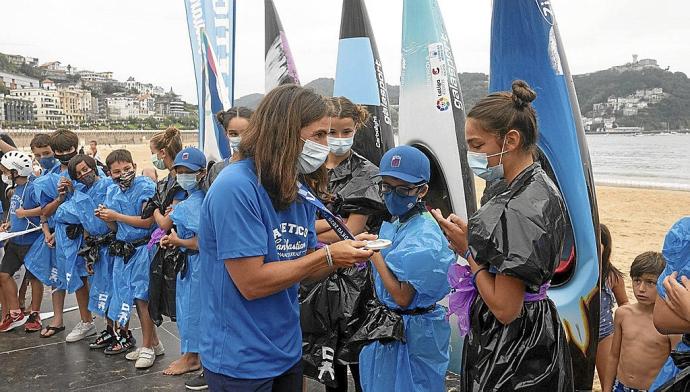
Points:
[[163, 242], [107, 214], [50, 240], [5, 227], [67, 184], [168, 210], [64, 186], [678, 295], [172, 240], [20, 212]]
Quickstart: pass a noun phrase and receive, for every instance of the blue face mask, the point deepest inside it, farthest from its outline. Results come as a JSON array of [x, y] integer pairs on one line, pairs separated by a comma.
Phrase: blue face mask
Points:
[[398, 205], [48, 162], [188, 182], [479, 163]]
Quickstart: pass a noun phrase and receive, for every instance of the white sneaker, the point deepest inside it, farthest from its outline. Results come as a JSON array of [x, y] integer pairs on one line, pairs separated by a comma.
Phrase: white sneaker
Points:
[[146, 358], [80, 331], [133, 355], [157, 349]]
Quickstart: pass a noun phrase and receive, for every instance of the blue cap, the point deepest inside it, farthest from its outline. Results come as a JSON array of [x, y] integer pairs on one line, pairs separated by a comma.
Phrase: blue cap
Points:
[[406, 163], [192, 158]]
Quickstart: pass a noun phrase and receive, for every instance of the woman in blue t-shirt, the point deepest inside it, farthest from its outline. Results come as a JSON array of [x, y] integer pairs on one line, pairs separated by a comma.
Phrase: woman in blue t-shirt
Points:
[[256, 241]]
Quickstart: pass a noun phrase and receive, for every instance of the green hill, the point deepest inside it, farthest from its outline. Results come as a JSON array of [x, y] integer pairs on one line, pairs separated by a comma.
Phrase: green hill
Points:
[[674, 109]]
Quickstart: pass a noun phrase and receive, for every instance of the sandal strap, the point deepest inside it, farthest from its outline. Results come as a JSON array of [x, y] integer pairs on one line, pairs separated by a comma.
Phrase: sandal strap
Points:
[[104, 336]]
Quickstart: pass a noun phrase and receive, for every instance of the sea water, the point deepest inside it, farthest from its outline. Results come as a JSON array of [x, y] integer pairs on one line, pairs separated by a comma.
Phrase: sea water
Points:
[[654, 161]]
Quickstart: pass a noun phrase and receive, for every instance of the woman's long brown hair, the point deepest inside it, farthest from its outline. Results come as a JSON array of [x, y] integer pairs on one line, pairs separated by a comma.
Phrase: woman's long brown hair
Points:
[[273, 140]]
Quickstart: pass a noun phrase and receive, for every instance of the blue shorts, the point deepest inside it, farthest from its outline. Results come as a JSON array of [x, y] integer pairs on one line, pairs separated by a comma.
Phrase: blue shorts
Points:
[[290, 381], [619, 387]]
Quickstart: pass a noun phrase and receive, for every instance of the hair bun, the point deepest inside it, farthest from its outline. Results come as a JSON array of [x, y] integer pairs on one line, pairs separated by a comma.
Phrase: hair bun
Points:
[[522, 94]]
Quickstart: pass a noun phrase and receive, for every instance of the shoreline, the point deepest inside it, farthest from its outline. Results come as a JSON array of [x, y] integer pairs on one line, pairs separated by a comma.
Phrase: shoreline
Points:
[[642, 184]]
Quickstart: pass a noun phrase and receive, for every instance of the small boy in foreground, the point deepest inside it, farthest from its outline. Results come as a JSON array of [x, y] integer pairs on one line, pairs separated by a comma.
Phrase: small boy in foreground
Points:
[[638, 350]]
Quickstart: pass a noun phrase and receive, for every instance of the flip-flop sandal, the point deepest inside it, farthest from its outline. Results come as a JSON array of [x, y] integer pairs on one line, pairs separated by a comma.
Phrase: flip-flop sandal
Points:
[[122, 346], [54, 330]]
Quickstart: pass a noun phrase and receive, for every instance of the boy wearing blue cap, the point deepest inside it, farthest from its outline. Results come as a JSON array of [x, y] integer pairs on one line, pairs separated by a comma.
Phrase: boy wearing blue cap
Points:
[[183, 227], [410, 278]]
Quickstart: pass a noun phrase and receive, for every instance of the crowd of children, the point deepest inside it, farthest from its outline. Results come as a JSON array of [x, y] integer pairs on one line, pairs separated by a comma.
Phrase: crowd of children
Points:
[[240, 238], [80, 230]]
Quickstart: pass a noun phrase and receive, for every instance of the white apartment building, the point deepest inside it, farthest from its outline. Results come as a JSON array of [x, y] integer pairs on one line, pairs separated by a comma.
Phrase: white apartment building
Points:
[[47, 107]]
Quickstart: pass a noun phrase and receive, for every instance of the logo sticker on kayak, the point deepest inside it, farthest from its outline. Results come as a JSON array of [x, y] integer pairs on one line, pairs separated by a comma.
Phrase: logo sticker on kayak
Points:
[[442, 104], [545, 10], [439, 76]]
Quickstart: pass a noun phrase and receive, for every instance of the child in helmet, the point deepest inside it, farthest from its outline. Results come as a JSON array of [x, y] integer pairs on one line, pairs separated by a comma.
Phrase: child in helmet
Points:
[[23, 214]]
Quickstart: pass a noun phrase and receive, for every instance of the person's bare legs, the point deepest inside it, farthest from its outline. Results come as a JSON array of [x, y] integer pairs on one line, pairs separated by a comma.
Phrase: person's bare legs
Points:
[[148, 328], [58, 298], [83, 301], [603, 351], [9, 289], [36, 294], [3, 303], [22, 291]]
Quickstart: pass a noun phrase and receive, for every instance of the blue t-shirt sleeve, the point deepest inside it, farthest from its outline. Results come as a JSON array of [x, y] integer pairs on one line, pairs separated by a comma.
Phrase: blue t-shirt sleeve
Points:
[[311, 237], [235, 211]]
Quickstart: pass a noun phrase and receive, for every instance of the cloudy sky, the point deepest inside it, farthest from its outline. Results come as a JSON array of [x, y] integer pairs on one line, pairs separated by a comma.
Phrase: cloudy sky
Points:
[[148, 39]]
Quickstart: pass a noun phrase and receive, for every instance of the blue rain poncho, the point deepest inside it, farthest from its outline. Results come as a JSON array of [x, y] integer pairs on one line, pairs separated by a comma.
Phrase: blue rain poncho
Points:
[[676, 253], [41, 259], [419, 256], [185, 216], [95, 229], [130, 274]]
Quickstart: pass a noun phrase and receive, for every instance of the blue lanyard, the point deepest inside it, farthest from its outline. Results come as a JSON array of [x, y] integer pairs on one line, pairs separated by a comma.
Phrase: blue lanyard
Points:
[[336, 224]]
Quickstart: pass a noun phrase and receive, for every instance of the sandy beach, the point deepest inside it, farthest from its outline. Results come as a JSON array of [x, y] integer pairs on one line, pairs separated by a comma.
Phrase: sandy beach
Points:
[[638, 218]]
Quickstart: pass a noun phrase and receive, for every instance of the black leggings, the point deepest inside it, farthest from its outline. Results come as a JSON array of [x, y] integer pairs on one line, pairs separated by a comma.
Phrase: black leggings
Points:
[[341, 378]]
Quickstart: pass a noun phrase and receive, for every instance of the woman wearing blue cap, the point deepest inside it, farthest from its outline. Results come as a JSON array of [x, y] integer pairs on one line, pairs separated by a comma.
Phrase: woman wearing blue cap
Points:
[[256, 243], [410, 278], [182, 224]]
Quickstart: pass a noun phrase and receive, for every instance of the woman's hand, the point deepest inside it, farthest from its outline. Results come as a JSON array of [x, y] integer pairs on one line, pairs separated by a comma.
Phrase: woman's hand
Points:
[[366, 237], [347, 253], [455, 230], [678, 295]]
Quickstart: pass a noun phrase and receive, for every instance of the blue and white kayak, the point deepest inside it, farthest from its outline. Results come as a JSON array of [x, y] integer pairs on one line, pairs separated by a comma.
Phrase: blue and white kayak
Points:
[[525, 44]]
